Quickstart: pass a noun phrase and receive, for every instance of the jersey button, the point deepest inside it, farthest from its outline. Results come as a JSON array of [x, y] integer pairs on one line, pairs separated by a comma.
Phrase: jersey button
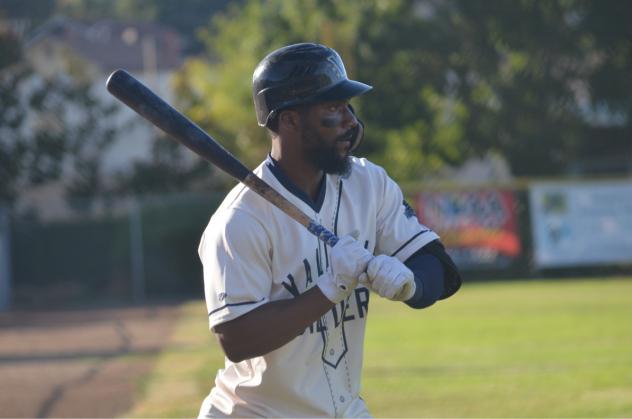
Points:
[[332, 352], [342, 399]]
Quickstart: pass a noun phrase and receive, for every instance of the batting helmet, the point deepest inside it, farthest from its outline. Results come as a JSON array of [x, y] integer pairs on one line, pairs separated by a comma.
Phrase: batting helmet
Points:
[[300, 74]]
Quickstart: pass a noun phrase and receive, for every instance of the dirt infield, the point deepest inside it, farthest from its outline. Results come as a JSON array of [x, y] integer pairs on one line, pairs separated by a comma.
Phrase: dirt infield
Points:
[[78, 363]]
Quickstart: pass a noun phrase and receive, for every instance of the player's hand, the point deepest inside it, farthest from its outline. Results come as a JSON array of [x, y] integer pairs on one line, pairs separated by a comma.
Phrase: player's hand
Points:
[[347, 260], [390, 278]]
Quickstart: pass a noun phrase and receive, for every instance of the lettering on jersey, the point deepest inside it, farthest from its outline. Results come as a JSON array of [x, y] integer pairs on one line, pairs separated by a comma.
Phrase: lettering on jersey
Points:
[[345, 311], [308, 273], [352, 308], [318, 325], [346, 317], [291, 286], [319, 265], [362, 301], [344, 307]]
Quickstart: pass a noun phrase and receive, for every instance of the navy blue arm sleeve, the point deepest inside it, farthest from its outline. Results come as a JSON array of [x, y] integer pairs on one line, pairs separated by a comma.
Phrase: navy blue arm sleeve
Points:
[[429, 274], [436, 275]]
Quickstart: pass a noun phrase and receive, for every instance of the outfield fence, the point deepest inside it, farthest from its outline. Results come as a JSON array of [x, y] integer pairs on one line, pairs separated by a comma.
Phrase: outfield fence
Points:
[[147, 248], [535, 228]]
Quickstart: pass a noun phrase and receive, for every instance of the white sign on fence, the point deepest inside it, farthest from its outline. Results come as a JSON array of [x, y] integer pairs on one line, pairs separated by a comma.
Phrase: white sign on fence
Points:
[[579, 224]]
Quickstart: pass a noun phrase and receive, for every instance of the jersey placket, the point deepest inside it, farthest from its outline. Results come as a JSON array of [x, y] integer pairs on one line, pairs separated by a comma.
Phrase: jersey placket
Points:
[[335, 346]]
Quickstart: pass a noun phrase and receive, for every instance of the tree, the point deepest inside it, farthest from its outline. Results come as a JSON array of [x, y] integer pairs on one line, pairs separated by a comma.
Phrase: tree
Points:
[[537, 80], [11, 116], [168, 171], [217, 93], [540, 83], [49, 129]]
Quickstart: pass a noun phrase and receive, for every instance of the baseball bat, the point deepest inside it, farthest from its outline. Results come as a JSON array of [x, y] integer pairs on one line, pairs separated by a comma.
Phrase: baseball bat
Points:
[[150, 106]]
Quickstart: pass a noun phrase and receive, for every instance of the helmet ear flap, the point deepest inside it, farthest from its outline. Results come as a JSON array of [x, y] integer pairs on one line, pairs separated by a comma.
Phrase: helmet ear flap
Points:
[[359, 130]]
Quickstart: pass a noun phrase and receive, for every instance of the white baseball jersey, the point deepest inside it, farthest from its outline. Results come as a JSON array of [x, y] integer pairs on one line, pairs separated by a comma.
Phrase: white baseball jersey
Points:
[[253, 253]]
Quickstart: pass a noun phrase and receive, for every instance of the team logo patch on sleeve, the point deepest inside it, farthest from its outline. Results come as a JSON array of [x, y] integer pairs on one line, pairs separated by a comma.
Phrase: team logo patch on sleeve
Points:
[[409, 212]]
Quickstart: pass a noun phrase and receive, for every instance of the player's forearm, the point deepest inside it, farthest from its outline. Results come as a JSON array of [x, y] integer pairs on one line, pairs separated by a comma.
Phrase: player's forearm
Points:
[[271, 326]]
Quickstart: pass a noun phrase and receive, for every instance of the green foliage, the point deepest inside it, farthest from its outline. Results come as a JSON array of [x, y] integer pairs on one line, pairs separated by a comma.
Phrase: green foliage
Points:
[[544, 84], [167, 171], [217, 94], [414, 125], [540, 83], [43, 136], [542, 61]]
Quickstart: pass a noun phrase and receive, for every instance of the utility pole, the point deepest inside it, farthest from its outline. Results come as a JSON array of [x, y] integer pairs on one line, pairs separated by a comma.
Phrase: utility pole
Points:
[[5, 260]]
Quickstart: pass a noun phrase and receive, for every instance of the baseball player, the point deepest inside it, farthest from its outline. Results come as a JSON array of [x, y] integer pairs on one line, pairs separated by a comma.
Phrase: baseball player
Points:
[[289, 311]]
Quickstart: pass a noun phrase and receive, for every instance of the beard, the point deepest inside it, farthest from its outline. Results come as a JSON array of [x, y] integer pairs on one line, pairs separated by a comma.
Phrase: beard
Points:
[[326, 157]]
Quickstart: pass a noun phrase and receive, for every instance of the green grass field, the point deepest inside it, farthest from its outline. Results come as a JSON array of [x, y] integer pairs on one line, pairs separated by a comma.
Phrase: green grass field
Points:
[[560, 348]]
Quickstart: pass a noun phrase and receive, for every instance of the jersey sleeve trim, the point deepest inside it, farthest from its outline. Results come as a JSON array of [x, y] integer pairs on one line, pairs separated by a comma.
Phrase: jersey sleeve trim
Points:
[[415, 243], [234, 305], [410, 240], [232, 311]]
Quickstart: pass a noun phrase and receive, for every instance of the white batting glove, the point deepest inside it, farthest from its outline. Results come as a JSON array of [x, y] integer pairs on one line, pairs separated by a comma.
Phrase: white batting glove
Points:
[[390, 278], [347, 260]]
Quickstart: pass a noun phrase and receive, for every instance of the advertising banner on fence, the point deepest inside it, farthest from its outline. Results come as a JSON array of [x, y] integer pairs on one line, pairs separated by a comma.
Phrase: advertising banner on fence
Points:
[[581, 224], [478, 227]]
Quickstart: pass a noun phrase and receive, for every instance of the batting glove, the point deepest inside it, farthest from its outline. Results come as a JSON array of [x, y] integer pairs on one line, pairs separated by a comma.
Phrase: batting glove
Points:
[[348, 259], [390, 278]]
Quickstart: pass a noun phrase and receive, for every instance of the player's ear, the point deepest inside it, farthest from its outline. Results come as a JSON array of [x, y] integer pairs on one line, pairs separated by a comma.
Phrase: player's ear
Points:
[[289, 119]]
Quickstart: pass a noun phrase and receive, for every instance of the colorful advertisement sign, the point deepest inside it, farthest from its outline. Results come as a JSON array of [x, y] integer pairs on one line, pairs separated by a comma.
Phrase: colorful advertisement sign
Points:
[[581, 224], [479, 228]]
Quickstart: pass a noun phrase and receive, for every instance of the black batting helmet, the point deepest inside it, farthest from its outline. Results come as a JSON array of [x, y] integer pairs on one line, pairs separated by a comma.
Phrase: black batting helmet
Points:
[[300, 74]]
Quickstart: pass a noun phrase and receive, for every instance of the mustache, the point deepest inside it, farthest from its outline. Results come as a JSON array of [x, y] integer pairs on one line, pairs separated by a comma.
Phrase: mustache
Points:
[[349, 135]]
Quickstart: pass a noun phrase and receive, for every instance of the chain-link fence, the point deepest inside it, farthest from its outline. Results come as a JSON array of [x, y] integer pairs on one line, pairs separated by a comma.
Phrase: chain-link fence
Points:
[[146, 249]]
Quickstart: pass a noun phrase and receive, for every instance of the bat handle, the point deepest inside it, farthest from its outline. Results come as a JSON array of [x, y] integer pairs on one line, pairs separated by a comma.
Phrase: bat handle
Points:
[[322, 233]]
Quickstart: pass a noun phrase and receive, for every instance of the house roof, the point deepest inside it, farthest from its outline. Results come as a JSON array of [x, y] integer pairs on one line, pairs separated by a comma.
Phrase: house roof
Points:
[[114, 44]]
